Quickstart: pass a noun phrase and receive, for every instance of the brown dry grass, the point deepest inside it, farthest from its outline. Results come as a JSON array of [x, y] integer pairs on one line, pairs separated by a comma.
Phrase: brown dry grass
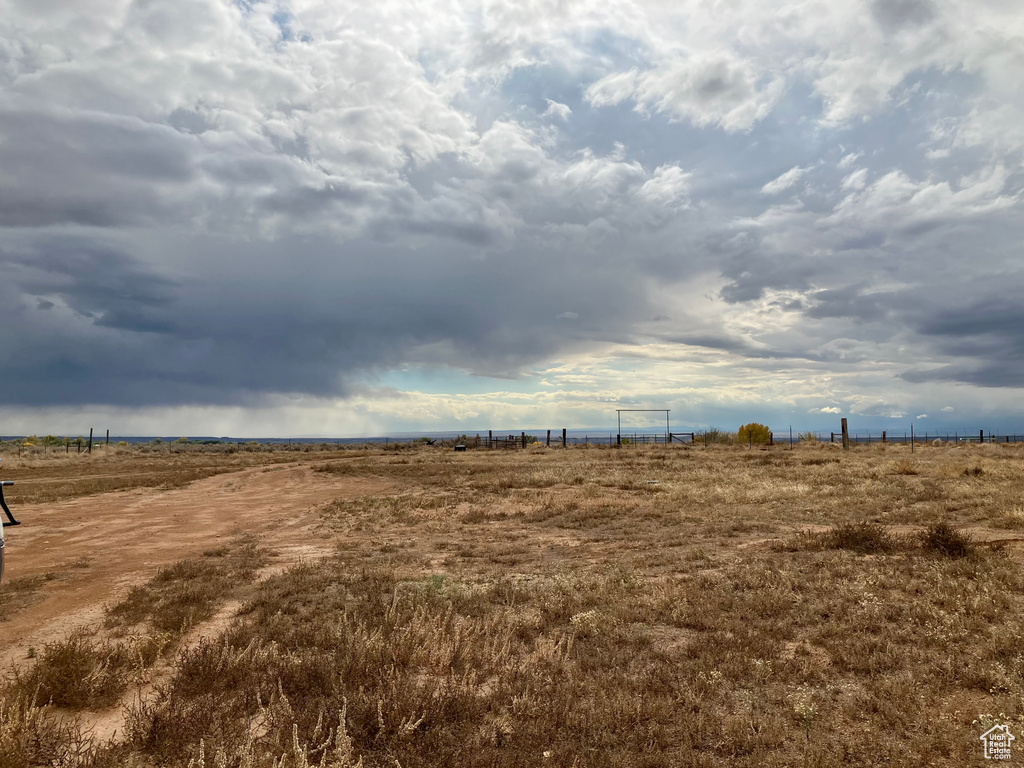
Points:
[[597, 607], [42, 477]]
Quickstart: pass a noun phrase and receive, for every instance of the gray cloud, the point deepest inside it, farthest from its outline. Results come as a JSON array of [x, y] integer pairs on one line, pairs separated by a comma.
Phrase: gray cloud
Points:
[[210, 203]]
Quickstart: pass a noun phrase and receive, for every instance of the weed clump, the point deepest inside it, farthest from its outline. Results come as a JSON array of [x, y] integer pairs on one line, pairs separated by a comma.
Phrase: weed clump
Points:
[[33, 735], [864, 537], [188, 592], [77, 673], [948, 541]]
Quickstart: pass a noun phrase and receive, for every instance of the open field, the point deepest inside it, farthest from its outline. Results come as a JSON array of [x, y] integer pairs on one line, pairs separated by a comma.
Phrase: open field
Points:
[[643, 606]]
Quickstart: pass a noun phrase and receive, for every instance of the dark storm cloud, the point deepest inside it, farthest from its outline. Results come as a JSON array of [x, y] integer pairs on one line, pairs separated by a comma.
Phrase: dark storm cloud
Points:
[[96, 282], [299, 316], [88, 169]]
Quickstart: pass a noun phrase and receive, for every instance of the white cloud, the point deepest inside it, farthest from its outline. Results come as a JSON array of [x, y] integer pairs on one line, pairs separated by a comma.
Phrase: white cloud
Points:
[[557, 110], [849, 159], [921, 416], [705, 90], [785, 181], [667, 186], [896, 202], [948, 409], [856, 181]]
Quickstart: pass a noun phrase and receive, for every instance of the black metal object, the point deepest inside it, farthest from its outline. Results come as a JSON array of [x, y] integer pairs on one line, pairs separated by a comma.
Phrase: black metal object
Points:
[[3, 503]]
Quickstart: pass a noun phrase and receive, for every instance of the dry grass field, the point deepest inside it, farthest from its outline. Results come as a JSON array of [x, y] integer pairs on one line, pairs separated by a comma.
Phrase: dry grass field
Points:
[[642, 606]]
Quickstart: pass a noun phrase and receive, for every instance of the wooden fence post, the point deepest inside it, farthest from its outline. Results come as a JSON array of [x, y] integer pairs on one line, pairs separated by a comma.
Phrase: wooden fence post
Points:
[[523, 438], [108, 437], [564, 443], [90, 439], [981, 435], [883, 436], [846, 436], [549, 438]]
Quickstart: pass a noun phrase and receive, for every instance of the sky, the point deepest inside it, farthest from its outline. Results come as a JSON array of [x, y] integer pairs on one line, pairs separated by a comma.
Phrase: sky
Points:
[[328, 218]]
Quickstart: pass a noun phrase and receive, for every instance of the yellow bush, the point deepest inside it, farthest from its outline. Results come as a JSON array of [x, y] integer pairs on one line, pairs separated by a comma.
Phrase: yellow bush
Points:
[[753, 433]]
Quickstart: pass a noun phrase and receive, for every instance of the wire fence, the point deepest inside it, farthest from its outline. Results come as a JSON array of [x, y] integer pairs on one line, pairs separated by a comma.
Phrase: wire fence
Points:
[[919, 438]]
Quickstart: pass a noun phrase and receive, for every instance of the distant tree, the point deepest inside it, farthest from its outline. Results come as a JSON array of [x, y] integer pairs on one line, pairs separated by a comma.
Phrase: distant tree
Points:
[[753, 433]]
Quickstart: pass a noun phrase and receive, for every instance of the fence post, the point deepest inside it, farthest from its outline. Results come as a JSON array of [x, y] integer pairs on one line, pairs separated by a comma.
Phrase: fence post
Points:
[[108, 437], [883, 435], [490, 438], [832, 437], [90, 439], [846, 436], [522, 436], [564, 443], [981, 435], [549, 438], [771, 438]]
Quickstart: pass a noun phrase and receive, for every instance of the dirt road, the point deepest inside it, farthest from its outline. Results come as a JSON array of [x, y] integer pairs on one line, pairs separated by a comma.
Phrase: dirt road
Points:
[[93, 549]]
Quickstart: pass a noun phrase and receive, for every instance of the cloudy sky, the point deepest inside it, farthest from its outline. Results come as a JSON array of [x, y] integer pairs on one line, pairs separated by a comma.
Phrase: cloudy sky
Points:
[[313, 217]]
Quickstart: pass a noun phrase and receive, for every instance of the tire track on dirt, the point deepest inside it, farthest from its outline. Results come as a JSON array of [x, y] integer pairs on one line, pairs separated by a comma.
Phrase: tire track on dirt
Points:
[[126, 536]]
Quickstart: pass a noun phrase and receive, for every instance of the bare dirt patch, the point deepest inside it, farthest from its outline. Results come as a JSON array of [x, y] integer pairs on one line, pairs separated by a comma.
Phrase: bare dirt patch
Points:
[[95, 547]]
